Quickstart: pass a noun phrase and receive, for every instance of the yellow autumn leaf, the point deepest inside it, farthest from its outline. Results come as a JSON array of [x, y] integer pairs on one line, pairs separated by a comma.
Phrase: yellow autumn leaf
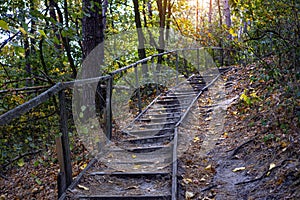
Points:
[[196, 139], [83, 187], [137, 166], [239, 169], [133, 156], [272, 165], [225, 135], [83, 166], [208, 167], [187, 180], [232, 32]]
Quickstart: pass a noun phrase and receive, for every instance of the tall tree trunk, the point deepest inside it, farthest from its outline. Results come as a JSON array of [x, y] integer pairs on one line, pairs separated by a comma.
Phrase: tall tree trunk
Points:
[[65, 40], [162, 6], [150, 15], [141, 38], [104, 11], [220, 14], [92, 26], [220, 24], [227, 16], [197, 16], [210, 14], [93, 37], [168, 21]]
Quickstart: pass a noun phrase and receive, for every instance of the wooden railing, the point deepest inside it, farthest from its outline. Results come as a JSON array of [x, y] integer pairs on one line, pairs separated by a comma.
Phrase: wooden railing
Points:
[[62, 142]]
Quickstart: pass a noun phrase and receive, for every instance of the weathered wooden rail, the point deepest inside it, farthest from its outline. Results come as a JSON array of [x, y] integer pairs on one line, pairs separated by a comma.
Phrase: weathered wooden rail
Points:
[[152, 134], [65, 175]]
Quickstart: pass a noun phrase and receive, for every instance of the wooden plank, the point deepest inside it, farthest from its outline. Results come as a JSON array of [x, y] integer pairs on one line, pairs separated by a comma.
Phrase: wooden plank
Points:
[[65, 139], [174, 165], [108, 108], [131, 174], [116, 197]]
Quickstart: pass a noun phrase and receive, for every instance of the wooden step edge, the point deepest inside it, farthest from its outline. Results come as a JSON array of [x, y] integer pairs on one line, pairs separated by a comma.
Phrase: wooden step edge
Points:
[[169, 113], [148, 138], [155, 124], [122, 197], [142, 173], [141, 148], [149, 130]]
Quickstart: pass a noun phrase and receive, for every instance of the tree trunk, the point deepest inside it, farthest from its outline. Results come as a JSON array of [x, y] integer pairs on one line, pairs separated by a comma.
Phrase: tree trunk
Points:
[[162, 6], [197, 16], [210, 14], [220, 13], [227, 16], [92, 26], [93, 37], [168, 21], [104, 11], [141, 37]]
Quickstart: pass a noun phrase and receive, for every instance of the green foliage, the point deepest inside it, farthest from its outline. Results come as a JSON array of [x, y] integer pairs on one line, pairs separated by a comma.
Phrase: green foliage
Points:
[[38, 48]]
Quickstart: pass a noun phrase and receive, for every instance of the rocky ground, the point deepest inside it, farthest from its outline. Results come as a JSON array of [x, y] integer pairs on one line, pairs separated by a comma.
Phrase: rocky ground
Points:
[[245, 145]]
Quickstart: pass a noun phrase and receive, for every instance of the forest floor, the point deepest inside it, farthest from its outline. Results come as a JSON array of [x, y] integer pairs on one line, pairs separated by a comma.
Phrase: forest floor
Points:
[[256, 155], [246, 146]]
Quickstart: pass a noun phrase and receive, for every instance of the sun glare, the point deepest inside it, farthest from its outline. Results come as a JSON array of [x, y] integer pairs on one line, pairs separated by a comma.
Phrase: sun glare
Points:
[[202, 4]]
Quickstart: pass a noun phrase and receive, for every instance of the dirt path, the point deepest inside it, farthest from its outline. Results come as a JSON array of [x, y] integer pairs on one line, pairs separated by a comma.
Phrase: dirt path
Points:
[[250, 157]]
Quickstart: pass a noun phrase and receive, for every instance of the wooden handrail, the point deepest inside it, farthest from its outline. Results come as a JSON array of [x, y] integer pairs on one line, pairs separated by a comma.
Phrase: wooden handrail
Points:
[[65, 176]]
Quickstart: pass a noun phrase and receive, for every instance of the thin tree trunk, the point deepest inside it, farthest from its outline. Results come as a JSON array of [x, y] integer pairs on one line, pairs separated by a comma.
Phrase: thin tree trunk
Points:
[[104, 11], [149, 6], [197, 16], [65, 40], [220, 14], [169, 13], [210, 14], [162, 5], [227, 16], [141, 38]]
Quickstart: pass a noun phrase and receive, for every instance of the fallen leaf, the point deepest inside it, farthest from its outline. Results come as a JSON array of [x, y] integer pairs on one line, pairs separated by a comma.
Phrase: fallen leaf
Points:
[[189, 195], [83, 166], [132, 187], [136, 166], [208, 119], [208, 167], [21, 162], [187, 180], [239, 169], [83, 187], [202, 179], [272, 165], [34, 190], [133, 156], [196, 139], [225, 135]]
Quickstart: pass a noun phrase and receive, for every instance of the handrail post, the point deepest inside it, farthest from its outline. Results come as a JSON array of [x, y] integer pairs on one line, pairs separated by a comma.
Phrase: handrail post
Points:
[[138, 88], [177, 68], [63, 147], [108, 107], [198, 60]]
